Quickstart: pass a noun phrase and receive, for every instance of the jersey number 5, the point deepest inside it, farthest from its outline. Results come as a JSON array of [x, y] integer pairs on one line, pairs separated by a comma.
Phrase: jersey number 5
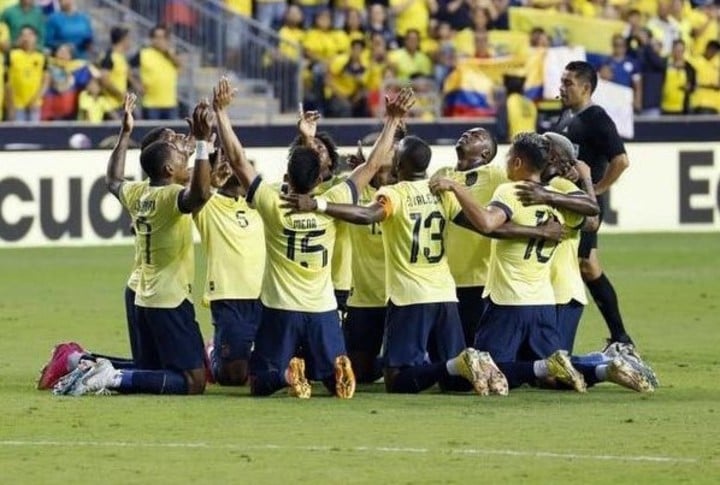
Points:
[[428, 235], [306, 248]]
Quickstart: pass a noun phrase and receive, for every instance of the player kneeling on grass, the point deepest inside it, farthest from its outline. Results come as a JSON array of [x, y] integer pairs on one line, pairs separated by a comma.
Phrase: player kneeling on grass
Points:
[[562, 173], [234, 244], [169, 335], [299, 307], [520, 319]]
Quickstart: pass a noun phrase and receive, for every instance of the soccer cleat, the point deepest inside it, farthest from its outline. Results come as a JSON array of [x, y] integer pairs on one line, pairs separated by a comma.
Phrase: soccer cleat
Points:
[[67, 382], [630, 354], [96, 380], [497, 382], [344, 378], [298, 384], [560, 368], [470, 368], [57, 366], [209, 348], [623, 373]]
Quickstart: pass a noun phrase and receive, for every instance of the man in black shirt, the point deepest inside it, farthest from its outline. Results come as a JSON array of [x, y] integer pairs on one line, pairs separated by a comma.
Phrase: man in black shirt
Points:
[[590, 128]]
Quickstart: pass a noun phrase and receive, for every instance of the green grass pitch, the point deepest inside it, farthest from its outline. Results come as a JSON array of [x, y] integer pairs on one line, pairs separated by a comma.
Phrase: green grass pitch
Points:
[[669, 287]]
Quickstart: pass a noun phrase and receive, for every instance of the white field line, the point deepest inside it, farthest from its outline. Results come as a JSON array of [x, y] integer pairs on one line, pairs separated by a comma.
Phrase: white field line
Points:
[[351, 449]]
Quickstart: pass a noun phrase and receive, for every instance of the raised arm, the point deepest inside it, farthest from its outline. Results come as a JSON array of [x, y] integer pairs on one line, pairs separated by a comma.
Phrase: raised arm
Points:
[[115, 173], [354, 214], [234, 153], [486, 221], [199, 191], [381, 153]]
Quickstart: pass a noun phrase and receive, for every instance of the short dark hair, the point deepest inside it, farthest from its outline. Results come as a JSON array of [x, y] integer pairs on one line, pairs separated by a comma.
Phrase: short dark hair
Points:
[[585, 71], [303, 169], [360, 42], [156, 28], [514, 83], [415, 153], [154, 156], [533, 148], [326, 140], [152, 136], [118, 33]]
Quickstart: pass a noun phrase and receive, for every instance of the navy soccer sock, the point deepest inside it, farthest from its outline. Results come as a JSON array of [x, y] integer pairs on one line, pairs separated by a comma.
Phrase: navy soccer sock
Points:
[[119, 363], [152, 382], [266, 383], [412, 380], [330, 383], [588, 372], [605, 297], [517, 373]]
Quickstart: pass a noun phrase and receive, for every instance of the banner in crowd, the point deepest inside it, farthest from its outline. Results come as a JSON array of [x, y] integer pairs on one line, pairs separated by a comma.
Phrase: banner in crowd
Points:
[[618, 102], [59, 198]]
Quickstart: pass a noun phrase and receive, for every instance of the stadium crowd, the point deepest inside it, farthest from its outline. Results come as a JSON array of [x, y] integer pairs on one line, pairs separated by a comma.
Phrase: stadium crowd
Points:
[[461, 56], [470, 279]]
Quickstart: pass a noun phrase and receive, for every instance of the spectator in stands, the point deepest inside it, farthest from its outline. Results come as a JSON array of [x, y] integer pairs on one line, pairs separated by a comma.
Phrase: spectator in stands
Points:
[[60, 100], [539, 38], [270, 12], [703, 25], [625, 70], [181, 20], [409, 62], [519, 113], [412, 15], [70, 26], [483, 49], [457, 13], [93, 106], [377, 62], [320, 48], [664, 27], [346, 83], [443, 56], [286, 58], [706, 97], [22, 14], [159, 68], [115, 74], [312, 8], [378, 24], [679, 82], [465, 39], [646, 52], [27, 76], [352, 30]]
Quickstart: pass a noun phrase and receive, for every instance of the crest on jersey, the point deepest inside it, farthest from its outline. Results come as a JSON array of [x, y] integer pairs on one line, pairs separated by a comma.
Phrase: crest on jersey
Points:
[[471, 178]]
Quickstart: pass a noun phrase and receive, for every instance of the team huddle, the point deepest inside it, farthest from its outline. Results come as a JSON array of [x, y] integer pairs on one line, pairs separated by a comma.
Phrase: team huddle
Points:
[[470, 279]]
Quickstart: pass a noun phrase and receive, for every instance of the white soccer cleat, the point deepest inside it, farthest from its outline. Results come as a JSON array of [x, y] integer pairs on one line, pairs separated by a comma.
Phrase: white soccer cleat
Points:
[[96, 380], [497, 382], [470, 368]]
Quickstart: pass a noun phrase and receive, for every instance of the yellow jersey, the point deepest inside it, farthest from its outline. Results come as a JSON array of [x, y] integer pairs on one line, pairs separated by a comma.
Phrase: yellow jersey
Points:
[[234, 243], [416, 268], [25, 73], [565, 274], [321, 43], [673, 89], [299, 250], [93, 109], [291, 41], [159, 78], [707, 73], [519, 272], [342, 251], [118, 70], [368, 260], [164, 233], [137, 260], [416, 16], [521, 114], [345, 83], [469, 254]]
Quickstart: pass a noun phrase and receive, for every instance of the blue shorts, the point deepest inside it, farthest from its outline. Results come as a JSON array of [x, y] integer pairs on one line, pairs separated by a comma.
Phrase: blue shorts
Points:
[[281, 333], [518, 333], [422, 333], [131, 315], [568, 319], [471, 306], [170, 338], [364, 328], [236, 323]]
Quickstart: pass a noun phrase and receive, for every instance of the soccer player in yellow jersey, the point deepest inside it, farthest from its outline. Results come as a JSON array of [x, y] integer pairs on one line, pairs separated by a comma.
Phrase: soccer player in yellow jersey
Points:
[[520, 321], [469, 252], [234, 244], [169, 335], [299, 308], [424, 341]]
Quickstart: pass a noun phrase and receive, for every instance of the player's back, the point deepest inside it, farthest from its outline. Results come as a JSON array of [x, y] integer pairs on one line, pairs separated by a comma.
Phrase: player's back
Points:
[[469, 252], [165, 244], [519, 268], [234, 242], [368, 260], [299, 250], [414, 241]]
